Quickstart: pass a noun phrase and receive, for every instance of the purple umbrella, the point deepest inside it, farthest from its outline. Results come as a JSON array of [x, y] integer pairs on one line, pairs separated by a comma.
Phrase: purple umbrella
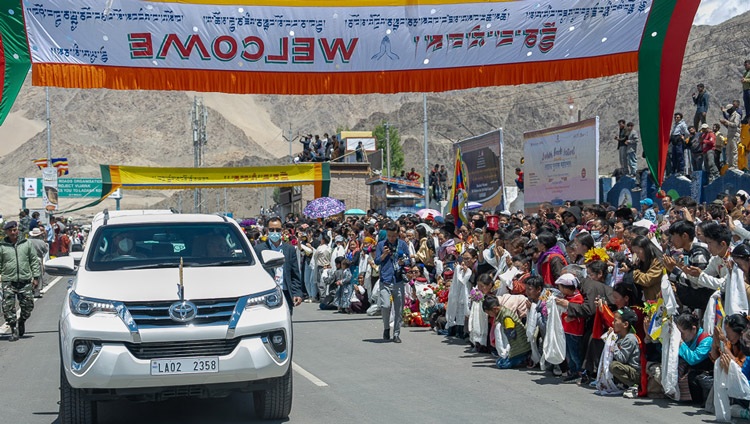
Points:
[[323, 207]]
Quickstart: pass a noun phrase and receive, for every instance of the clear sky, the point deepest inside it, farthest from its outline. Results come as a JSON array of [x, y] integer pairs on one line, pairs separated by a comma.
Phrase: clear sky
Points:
[[713, 12]]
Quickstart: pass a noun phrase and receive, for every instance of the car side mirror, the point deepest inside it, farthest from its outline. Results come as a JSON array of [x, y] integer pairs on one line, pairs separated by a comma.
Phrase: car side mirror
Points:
[[76, 257], [272, 259], [62, 266]]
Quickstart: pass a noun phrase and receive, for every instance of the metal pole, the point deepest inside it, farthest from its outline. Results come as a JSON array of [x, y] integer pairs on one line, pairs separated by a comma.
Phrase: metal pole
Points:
[[196, 153], [49, 131], [388, 148], [225, 201], [426, 163], [291, 159]]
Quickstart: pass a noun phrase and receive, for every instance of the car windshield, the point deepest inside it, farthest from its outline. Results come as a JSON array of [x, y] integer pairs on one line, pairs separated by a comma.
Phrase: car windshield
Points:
[[141, 246]]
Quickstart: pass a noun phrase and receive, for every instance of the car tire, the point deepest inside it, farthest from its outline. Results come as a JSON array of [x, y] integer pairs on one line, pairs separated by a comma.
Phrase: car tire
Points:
[[276, 402], [74, 407]]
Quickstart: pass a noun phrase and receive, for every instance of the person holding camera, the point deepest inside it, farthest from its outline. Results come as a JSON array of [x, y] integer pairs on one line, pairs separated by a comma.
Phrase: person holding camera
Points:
[[391, 256]]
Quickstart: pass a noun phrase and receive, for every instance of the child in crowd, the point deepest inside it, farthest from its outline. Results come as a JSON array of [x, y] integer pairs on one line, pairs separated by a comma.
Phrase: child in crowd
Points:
[[515, 331], [341, 282], [626, 364], [573, 327], [694, 357]]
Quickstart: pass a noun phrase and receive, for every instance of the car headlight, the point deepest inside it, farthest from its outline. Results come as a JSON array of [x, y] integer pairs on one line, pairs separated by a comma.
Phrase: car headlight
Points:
[[272, 299], [83, 306]]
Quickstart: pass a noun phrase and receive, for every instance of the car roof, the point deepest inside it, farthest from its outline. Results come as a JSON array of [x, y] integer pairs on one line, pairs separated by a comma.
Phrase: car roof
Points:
[[151, 216]]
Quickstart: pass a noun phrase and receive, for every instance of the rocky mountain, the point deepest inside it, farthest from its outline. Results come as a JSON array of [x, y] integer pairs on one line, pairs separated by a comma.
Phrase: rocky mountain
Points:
[[93, 127]]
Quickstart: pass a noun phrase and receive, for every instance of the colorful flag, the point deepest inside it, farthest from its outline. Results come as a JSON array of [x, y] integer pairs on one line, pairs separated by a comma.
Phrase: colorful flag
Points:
[[719, 313], [60, 163], [459, 191], [659, 66], [14, 55]]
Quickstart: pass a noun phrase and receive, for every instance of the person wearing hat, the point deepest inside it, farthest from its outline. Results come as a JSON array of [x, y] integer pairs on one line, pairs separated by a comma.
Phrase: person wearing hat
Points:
[[647, 209], [391, 257], [20, 271], [42, 249], [732, 123], [626, 359], [573, 327]]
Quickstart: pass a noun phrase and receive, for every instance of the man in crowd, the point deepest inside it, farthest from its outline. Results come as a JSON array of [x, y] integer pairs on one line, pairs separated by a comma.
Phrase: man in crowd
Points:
[[733, 135], [622, 147], [632, 148], [746, 90], [677, 139], [701, 99], [20, 272], [413, 175], [287, 276], [389, 256]]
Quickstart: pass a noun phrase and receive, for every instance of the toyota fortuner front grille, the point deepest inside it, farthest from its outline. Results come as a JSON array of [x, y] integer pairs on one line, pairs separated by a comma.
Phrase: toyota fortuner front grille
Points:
[[156, 314]]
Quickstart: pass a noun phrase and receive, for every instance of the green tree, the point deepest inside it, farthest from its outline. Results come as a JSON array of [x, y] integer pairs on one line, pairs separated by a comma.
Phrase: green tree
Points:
[[397, 154]]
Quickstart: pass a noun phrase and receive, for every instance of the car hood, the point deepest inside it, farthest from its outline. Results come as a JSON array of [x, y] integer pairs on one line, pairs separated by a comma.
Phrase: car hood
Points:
[[162, 284]]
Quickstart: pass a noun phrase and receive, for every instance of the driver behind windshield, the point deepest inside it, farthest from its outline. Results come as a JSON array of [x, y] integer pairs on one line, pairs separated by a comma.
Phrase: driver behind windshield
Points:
[[123, 247]]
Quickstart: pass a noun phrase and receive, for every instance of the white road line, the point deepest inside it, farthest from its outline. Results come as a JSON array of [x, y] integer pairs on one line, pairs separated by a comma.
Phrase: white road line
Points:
[[49, 286], [304, 373]]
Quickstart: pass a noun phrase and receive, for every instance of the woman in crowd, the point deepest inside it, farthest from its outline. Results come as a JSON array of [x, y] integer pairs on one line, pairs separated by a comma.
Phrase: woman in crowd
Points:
[[647, 267]]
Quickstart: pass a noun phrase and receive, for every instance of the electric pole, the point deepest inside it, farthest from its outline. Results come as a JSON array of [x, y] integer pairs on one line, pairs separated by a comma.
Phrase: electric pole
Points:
[[199, 119], [388, 148]]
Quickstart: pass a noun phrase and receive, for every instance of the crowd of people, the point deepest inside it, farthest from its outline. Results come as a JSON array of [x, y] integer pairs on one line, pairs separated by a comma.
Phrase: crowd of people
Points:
[[325, 149], [27, 244], [701, 146], [619, 299]]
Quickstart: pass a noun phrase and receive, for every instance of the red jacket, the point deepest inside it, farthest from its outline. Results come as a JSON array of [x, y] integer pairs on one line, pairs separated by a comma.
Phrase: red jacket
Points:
[[708, 141], [573, 326]]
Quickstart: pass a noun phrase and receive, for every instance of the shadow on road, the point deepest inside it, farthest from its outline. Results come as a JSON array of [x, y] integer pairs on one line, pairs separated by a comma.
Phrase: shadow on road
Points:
[[338, 320], [377, 341]]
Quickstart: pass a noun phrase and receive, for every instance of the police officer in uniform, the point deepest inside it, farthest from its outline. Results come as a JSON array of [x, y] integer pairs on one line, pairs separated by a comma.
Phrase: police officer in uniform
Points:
[[20, 271]]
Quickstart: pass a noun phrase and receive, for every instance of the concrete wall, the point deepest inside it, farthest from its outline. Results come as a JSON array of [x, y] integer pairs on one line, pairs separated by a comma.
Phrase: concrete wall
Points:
[[351, 190]]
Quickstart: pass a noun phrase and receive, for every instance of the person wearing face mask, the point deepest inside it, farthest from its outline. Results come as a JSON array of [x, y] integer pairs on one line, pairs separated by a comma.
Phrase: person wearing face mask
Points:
[[287, 276], [124, 247]]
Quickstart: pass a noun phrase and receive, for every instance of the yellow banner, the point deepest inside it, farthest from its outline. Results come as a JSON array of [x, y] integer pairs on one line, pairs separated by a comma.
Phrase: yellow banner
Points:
[[148, 178]]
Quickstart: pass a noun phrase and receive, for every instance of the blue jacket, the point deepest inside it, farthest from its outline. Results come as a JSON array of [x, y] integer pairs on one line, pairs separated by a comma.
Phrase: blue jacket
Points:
[[701, 102], [694, 352], [388, 273]]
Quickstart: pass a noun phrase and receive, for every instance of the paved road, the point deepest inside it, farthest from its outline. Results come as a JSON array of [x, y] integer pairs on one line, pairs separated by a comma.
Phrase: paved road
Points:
[[347, 375]]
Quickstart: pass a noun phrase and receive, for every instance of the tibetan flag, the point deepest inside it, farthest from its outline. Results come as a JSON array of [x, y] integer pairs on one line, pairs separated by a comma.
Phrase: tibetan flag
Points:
[[60, 163], [14, 55], [459, 191], [719, 313]]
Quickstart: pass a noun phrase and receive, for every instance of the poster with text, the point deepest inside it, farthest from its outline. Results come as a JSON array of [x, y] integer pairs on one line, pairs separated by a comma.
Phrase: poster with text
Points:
[[483, 159], [562, 163]]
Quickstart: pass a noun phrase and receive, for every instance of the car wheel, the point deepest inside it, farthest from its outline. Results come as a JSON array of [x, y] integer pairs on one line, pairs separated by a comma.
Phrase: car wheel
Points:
[[74, 407], [275, 402]]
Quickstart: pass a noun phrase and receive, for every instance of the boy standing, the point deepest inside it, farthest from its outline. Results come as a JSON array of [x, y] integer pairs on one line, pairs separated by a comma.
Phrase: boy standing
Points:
[[573, 327]]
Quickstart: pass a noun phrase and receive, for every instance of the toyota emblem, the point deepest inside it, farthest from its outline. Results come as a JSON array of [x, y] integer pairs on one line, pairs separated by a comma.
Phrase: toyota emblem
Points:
[[183, 311]]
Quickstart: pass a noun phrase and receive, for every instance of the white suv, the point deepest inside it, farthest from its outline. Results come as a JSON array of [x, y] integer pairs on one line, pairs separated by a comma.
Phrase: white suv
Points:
[[164, 305]]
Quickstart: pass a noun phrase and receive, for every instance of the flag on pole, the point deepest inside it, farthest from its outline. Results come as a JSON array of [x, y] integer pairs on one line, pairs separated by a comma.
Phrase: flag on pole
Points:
[[15, 59], [60, 163], [719, 311], [459, 191]]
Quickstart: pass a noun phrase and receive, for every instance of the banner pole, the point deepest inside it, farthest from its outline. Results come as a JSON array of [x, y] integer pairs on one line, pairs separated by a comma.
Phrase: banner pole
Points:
[[49, 130], [426, 174]]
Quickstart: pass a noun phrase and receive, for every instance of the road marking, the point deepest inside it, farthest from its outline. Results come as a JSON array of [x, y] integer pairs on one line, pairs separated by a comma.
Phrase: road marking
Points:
[[304, 373], [49, 286]]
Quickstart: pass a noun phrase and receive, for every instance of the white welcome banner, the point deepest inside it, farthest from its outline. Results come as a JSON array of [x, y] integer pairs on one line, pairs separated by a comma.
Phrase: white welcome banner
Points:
[[119, 36], [561, 164]]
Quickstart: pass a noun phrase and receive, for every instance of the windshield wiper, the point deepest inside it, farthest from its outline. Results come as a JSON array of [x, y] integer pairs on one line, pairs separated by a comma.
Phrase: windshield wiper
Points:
[[229, 262], [158, 265]]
